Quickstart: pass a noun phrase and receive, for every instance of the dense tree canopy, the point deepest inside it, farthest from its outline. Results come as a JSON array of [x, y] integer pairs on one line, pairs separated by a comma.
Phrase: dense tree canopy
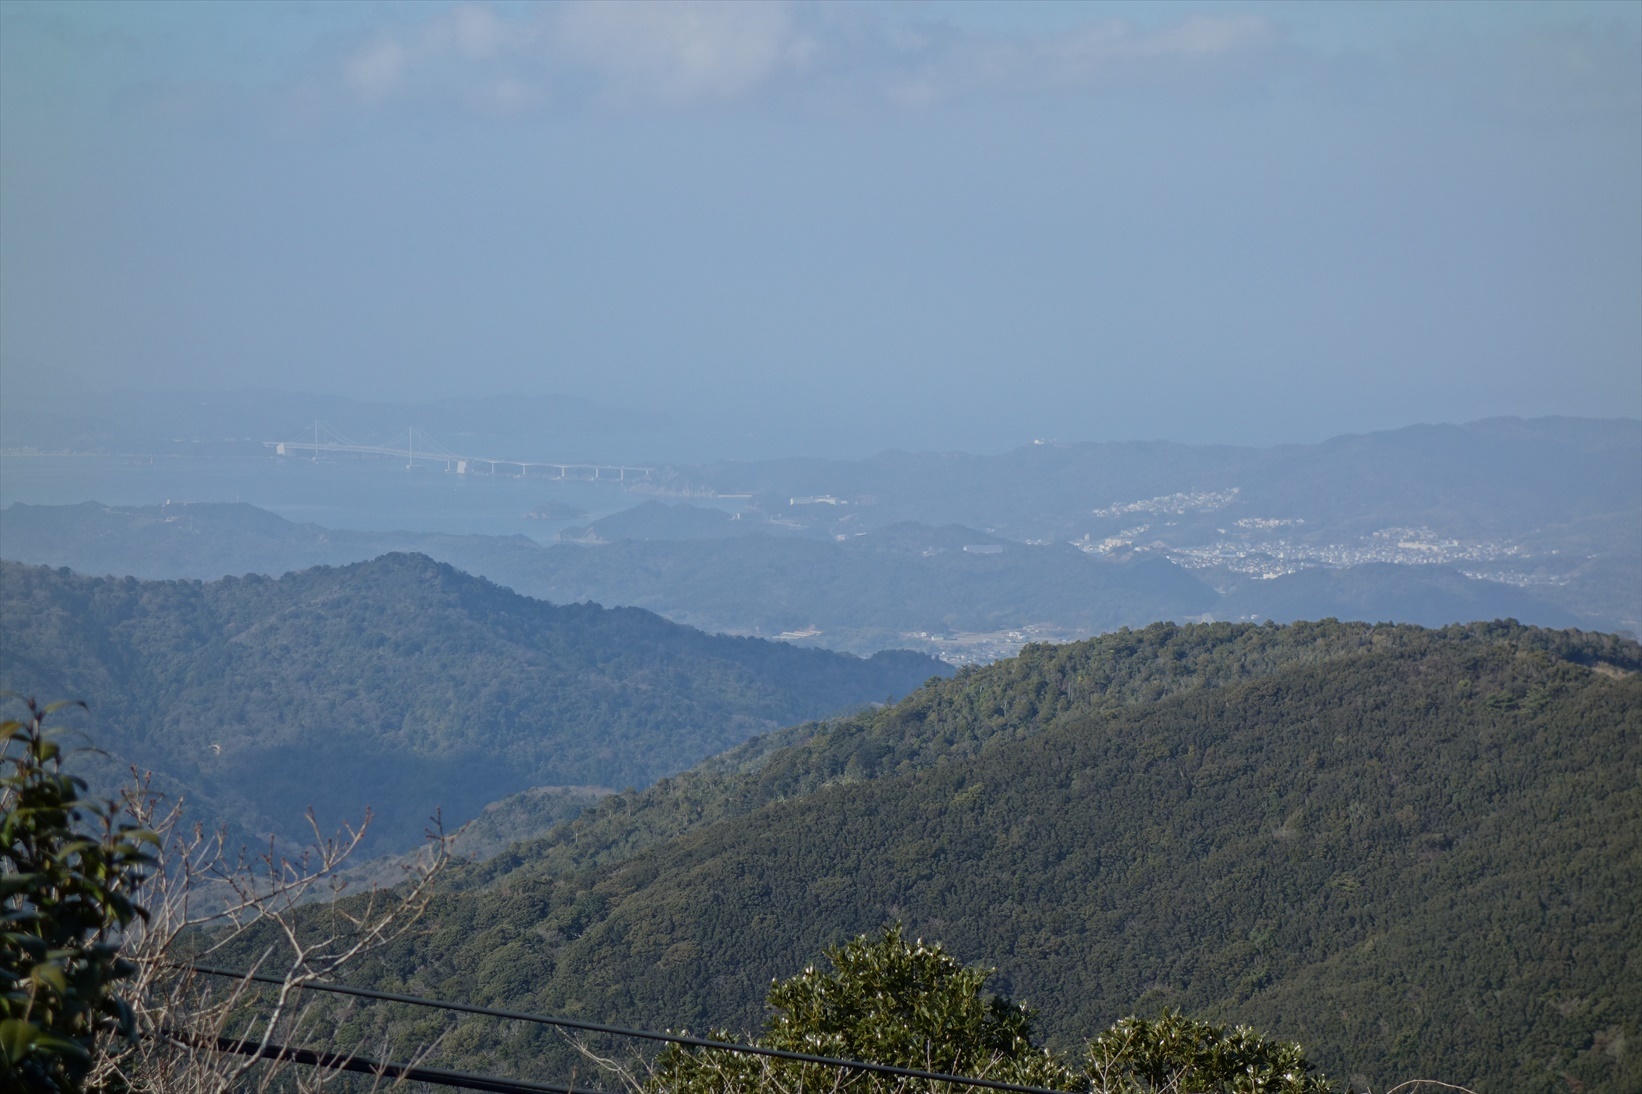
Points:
[[886, 1000], [399, 684], [1412, 851], [908, 1004]]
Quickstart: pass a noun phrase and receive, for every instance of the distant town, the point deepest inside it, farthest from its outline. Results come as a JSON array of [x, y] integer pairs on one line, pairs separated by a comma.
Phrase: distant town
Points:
[[1271, 558]]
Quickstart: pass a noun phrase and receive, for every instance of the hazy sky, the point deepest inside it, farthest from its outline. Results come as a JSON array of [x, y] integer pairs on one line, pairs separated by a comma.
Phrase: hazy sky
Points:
[[841, 226]]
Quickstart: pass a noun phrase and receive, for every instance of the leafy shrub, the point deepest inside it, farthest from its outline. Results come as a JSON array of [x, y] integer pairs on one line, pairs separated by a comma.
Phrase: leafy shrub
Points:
[[887, 1001], [913, 1005], [1173, 1053], [69, 873]]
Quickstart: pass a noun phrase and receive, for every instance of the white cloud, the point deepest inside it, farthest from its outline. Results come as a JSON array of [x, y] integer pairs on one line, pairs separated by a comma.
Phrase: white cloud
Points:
[[509, 96], [458, 51], [685, 52], [1204, 36], [927, 69], [375, 71], [682, 52], [477, 31]]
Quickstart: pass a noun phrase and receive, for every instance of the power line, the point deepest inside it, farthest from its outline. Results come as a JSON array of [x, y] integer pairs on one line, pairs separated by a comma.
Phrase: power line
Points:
[[644, 1034], [363, 1064]]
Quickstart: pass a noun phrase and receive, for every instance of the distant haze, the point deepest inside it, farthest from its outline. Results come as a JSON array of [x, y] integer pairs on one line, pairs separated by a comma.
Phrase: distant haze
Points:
[[833, 229]]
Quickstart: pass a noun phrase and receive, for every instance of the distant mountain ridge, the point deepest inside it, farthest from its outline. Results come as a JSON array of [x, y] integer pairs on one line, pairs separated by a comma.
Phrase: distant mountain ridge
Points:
[[871, 590], [1486, 477], [1431, 596], [658, 520], [401, 684], [1538, 520]]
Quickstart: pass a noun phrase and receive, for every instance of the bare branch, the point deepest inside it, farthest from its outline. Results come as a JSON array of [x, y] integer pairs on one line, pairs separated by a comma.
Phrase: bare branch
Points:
[[205, 897]]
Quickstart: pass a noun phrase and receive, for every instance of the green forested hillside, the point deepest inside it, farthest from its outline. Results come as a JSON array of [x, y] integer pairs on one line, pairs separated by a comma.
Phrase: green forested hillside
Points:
[[984, 708], [401, 684], [1417, 852]]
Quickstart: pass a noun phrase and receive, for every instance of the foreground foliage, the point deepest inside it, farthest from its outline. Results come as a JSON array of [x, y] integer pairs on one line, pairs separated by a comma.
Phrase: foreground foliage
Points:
[[908, 1004], [1174, 1053], [70, 869], [95, 989]]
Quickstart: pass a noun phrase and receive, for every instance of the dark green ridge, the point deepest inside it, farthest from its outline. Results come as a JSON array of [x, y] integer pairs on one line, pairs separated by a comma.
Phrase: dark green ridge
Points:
[[982, 708], [1417, 852], [400, 684]]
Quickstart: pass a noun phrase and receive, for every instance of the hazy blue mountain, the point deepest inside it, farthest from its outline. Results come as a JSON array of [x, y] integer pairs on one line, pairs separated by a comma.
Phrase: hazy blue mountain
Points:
[[872, 591], [879, 588], [1491, 477], [207, 540], [1380, 592], [1549, 504], [658, 520], [890, 586], [1540, 520]]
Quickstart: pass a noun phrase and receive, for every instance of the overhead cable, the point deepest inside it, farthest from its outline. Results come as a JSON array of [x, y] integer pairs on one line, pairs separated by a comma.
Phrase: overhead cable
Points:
[[643, 1034], [410, 1072]]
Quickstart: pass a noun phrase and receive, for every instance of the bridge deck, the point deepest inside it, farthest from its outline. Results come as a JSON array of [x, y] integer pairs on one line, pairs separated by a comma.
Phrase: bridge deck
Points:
[[462, 464]]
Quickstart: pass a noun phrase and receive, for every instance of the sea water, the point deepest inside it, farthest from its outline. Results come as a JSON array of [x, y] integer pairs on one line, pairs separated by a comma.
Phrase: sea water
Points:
[[369, 494]]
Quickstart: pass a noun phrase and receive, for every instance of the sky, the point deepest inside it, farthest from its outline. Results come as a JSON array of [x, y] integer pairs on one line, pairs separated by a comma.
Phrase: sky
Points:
[[837, 228]]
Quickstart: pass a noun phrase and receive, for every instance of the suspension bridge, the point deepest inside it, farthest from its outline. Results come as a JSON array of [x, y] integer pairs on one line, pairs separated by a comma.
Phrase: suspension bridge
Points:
[[423, 449]]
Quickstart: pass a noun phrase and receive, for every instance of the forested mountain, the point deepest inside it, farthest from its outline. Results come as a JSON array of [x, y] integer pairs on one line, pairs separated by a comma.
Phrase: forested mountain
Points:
[[401, 684], [1415, 851]]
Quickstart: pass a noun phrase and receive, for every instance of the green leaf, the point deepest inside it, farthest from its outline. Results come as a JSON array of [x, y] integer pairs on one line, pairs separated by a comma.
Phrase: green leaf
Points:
[[50, 975], [16, 1035]]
